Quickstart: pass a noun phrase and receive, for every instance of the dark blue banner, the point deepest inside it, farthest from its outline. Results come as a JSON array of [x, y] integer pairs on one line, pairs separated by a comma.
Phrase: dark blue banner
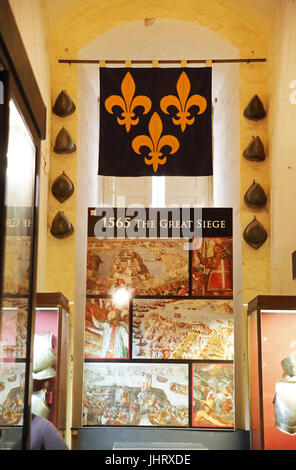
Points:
[[155, 122]]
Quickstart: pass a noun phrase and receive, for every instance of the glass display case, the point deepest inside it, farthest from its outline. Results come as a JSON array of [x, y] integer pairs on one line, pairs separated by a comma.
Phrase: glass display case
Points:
[[51, 360], [22, 127], [272, 372]]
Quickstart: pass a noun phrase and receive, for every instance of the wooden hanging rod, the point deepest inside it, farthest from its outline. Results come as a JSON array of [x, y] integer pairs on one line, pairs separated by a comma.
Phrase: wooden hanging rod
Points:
[[189, 61]]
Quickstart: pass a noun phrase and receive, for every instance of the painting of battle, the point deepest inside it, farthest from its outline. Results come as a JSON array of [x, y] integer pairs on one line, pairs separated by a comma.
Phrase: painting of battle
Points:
[[182, 329], [146, 267], [106, 330], [212, 267], [16, 265], [212, 394], [12, 379], [135, 394], [13, 328]]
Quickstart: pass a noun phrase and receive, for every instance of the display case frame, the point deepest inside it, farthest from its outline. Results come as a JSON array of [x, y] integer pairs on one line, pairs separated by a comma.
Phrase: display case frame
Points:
[[21, 88], [267, 314], [57, 305]]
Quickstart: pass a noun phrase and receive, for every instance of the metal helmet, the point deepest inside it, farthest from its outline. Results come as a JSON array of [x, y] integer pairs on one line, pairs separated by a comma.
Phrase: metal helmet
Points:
[[255, 110], [255, 234], [64, 142], [61, 227], [255, 197], [63, 106], [62, 188], [255, 150]]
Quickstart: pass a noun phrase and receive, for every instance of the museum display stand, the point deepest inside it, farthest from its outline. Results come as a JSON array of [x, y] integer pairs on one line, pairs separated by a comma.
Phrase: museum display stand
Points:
[[50, 363], [272, 372], [52, 322]]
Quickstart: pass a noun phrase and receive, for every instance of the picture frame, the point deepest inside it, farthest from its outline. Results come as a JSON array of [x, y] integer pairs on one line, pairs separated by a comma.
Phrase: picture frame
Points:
[[212, 395], [136, 394]]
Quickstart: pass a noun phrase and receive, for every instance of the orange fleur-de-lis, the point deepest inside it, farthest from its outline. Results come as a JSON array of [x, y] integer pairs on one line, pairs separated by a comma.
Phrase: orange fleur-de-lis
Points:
[[155, 143], [128, 103], [182, 103]]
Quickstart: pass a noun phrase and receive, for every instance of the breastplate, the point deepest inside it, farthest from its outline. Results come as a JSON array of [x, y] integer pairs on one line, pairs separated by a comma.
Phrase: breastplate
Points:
[[285, 407], [44, 356], [38, 404]]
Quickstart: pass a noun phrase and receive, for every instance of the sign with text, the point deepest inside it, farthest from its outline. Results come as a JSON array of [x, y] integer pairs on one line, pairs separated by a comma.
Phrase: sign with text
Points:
[[133, 222], [19, 221]]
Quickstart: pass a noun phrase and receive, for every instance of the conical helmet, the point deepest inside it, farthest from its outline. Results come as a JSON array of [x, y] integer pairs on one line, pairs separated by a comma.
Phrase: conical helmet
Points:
[[61, 227], [64, 142], [62, 187], [255, 234], [255, 197], [63, 106], [255, 110], [255, 150]]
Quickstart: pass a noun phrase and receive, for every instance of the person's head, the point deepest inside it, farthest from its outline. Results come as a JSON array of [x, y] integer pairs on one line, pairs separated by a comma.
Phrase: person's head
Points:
[[113, 317]]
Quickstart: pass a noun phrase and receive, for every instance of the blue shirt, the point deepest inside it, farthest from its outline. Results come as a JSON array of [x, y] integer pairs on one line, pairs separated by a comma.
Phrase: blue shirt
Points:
[[44, 436]]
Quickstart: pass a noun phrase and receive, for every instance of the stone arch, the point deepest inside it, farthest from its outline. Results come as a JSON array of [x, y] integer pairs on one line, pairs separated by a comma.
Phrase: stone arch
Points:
[[221, 17], [70, 35]]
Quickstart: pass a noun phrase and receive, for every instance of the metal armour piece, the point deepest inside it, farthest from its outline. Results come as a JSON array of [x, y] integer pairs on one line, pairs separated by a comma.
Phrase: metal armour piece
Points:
[[62, 187], [255, 150], [255, 234], [43, 355], [61, 227], [289, 366], [285, 406], [64, 143], [255, 197], [255, 110], [45, 374], [38, 404], [63, 106]]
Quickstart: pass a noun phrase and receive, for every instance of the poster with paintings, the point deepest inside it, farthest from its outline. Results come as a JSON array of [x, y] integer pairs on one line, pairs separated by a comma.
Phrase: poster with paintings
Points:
[[212, 395], [212, 266], [165, 356], [16, 265], [13, 331], [182, 329], [136, 394], [12, 378], [106, 330], [146, 267]]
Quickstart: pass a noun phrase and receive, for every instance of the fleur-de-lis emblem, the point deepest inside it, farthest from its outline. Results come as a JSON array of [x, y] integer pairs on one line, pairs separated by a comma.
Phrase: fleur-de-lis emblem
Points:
[[128, 103], [183, 103], [155, 143]]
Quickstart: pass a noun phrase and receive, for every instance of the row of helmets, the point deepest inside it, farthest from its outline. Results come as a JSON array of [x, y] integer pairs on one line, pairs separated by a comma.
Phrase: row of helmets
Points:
[[63, 188], [255, 198]]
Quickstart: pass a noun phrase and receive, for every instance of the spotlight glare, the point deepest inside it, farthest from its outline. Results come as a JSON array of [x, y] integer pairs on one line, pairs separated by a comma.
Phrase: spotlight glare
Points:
[[121, 297]]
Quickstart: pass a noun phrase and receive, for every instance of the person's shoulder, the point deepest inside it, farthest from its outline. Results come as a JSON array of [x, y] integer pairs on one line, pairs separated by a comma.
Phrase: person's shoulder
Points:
[[38, 421], [43, 425]]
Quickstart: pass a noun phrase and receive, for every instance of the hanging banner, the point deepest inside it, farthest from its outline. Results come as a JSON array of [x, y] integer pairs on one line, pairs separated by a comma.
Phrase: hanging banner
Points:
[[155, 122]]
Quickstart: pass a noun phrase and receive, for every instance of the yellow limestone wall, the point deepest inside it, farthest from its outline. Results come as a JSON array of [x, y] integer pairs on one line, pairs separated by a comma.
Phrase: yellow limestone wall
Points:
[[73, 28]]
